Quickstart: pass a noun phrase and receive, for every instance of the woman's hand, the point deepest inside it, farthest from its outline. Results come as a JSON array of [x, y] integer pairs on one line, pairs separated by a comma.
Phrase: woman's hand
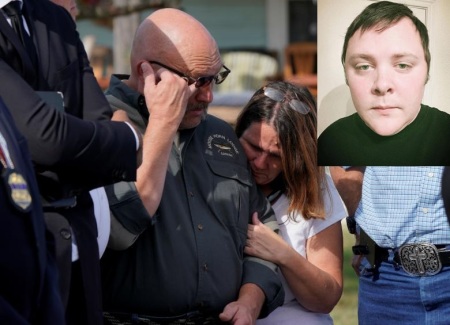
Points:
[[264, 243]]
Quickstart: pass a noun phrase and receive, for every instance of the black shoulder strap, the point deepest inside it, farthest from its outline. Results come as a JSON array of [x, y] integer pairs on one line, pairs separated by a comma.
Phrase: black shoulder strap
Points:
[[446, 190]]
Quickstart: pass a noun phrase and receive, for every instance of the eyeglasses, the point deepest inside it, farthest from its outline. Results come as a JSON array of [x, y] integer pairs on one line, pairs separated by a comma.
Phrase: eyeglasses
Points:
[[279, 96], [199, 82]]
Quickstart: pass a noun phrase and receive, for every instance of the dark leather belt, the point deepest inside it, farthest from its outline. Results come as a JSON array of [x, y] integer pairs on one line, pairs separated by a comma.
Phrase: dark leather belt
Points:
[[192, 318], [420, 259]]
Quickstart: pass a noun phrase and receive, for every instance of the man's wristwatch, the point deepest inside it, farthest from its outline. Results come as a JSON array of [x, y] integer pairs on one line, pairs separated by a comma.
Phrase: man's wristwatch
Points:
[[351, 224]]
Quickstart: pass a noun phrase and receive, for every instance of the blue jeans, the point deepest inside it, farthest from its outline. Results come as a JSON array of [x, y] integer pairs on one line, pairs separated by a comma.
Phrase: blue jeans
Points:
[[394, 297]]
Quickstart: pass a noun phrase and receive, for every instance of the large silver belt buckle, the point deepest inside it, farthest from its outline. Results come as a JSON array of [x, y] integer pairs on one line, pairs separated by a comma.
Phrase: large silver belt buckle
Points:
[[420, 259]]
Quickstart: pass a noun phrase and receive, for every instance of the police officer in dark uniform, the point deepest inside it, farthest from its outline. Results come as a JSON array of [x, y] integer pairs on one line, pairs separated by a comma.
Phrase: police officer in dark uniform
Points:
[[29, 291]]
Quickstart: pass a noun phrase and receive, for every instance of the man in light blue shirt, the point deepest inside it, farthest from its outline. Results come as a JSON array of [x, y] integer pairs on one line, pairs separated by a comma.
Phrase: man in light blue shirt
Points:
[[402, 211], [403, 205]]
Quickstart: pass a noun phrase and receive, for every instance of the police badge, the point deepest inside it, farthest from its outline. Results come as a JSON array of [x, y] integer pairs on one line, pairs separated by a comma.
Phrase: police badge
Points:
[[17, 189]]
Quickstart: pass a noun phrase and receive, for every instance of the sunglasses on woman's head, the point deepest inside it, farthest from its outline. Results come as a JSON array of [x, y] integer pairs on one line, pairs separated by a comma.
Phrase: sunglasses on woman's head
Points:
[[279, 96]]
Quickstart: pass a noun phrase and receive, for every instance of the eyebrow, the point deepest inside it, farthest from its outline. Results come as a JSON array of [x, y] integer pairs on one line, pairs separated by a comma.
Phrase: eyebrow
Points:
[[407, 55], [360, 56], [370, 57]]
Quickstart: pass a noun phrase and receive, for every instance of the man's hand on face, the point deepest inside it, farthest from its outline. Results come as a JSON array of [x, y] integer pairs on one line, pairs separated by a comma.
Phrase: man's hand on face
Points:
[[166, 94]]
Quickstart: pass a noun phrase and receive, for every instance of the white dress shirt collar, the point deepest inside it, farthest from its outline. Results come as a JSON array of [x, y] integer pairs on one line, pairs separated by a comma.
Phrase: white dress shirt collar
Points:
[[5, 2]]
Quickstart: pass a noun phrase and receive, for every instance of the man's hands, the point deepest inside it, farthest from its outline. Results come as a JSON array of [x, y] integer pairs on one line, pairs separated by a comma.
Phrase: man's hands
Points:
[[246, 309], [166, 95], [237, 313]]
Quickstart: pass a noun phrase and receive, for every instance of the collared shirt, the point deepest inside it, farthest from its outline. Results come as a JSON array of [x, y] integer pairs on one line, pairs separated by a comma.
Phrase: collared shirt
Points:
[[4, 3], [191, 256], [402, 205]]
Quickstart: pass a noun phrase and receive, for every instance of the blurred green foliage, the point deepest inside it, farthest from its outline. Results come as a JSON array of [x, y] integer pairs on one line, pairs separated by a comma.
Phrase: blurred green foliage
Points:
[[346, 311]]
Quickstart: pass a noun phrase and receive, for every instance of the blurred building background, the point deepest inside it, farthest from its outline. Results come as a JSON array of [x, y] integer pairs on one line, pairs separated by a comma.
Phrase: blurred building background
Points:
[[260, 26], [260, 41]]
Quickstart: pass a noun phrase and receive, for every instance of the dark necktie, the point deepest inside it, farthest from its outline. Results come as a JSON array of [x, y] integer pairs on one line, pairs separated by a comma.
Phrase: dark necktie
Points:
[[14, 12]]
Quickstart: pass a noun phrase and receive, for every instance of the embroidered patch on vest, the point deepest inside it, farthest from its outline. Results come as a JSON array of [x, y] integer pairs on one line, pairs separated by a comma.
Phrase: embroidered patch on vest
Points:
[[222, 145]]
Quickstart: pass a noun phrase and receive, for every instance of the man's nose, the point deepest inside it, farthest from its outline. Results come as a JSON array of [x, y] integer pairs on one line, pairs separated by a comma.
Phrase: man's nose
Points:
[[383, 82], [204, 94]]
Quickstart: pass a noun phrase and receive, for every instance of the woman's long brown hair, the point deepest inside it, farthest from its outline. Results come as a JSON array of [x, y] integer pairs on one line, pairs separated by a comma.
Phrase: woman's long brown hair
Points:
[[302, 180]]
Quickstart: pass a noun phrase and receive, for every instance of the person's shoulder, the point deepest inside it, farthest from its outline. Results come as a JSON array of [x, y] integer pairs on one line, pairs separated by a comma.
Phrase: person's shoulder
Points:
[[216, 129], [214, 123], [50, 12], [437, 113], [340, 143], [338, 133], [216, 120], [117, 90], [345, 124], [437, 119], [221, 141], [44, 4]]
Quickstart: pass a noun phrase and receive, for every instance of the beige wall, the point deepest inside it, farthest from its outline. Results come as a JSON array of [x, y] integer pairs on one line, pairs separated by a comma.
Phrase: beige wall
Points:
[[334, 99]]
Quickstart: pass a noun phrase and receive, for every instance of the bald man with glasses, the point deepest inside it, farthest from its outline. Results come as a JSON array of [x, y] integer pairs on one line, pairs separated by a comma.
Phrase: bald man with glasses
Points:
[[176, 251]]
